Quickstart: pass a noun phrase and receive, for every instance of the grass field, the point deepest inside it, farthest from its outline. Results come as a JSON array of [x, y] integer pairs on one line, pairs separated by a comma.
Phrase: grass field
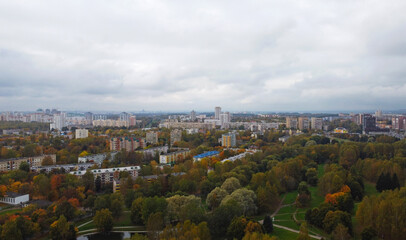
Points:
[[124, 220], [370, 189], [11, 211], [283, 234]]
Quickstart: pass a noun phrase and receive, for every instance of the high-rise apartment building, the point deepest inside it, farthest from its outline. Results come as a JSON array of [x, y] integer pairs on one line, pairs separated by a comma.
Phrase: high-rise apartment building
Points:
[[368, 123], [89, 118], [152, 137], [127, 143], [225, 118], [291, 123], [303, 123], [81, 133], [176, 136], [193, 115], [317, 123], [217, 111], [125, 117], [59, 121], [228, 140], [133, 121], [399, 123]]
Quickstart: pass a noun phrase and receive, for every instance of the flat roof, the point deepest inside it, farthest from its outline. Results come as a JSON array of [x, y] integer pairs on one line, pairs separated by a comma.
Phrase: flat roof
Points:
[[206, 154]]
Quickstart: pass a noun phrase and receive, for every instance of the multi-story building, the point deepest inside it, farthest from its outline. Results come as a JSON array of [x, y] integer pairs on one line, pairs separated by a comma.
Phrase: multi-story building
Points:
[[176, 136], [368, 123], [65, 167], [225, 118], [133, 121], [193, 115], [399, 123], [89, 118], [188, 125], [97, 158], [127, 143], [303, 123], [14, 163], [59, 121], [228, 140], [81, 133], [171, 158], [291, 123], [110, 123], [217, 111], [152, 137], [317, 123], [107, 175], [205, 155]]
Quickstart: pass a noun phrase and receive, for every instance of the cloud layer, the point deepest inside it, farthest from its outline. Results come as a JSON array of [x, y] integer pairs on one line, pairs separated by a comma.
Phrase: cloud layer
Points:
[[286, 55]]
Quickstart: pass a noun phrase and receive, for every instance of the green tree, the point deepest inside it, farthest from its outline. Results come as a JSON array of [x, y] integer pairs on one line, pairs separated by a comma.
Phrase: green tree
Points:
[[268, 225], [231, 184], [88, 180], [304, 233], [153, 205], [10, 230], [103, 220], [155, 224], [215, 197], [340, 233], [24, 166], [136, 211], [62, 229], [116, 208], [245, 199], [222, 216], [236, 229]]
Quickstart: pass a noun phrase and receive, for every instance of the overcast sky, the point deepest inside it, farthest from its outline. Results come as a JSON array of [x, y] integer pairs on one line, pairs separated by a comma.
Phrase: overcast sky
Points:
[[130, 55]]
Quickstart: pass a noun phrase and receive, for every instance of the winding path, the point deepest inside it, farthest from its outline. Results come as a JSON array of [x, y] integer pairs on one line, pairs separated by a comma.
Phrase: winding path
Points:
[[286, 228]]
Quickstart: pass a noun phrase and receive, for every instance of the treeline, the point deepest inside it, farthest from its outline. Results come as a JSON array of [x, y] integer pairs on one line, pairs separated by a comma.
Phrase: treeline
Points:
[[33, 126]]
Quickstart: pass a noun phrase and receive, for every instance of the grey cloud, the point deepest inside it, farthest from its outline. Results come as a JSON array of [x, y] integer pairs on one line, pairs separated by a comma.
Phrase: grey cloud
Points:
[[172, 55]]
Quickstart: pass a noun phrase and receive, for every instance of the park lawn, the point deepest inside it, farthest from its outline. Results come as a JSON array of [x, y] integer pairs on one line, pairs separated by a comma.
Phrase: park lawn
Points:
[[370, 189], [290, 197], [283, 234], [11, 211], [123, 221]]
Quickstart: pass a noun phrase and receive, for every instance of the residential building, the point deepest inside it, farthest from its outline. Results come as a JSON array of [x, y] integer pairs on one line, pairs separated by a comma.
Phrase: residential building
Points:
[[399, 123], [217, 111], [205, 155], [154, 151], [303, 123], [317, 123], [176, 136], [110, 123], [187, 125], [97, 158], [65, 167], [81, 133], [368, 123], [172, 157], [228, 140], [152, 137], [15, 198], [59, 121], [89, 118], [133, 121], [125, 117], [107, 175], [14, 163], [193, 115], [127, 143], [291, 123]]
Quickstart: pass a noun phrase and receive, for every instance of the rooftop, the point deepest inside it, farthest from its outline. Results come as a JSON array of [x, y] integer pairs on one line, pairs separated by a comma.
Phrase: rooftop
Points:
[[206, 154]]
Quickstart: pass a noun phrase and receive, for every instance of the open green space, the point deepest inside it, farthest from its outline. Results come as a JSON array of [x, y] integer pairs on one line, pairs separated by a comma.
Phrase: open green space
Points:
[[123, 221], [370, 189], [283, 234], [11, 211]]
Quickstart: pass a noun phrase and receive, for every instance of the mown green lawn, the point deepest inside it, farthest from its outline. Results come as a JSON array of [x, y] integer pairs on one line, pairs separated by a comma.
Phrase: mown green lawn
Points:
[[283, 234], [11, 211], [370, 189], [124, 220]]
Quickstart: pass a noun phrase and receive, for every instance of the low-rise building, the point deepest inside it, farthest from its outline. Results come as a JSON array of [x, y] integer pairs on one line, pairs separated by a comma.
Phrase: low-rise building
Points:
[[15, 198], [97, 158], [127, 143], [65, 167], [170, 158], [206, 154], [107, 175], [14, 163]]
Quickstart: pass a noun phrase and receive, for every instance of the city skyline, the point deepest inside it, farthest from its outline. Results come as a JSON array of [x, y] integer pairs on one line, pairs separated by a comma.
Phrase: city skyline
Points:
[[279, 56]]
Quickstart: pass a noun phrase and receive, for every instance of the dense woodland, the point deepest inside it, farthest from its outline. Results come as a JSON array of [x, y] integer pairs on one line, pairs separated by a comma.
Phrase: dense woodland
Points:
[[329, 182]]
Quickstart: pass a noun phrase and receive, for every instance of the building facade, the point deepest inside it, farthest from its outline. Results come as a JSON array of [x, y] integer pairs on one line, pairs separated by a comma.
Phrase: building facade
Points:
[[107, 175], [152, 137], [176, 136], [127, 143], [171, 158], [317, 123], [303, 123], [228, 140], [81, 133], [15, 198], [14, 163]]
